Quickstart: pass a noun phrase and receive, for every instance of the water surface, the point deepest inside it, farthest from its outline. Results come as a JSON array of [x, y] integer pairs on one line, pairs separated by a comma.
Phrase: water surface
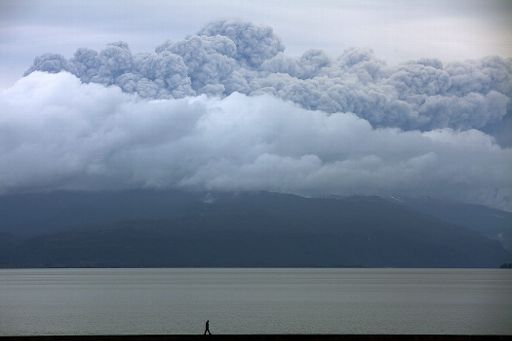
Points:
[[156, 301]]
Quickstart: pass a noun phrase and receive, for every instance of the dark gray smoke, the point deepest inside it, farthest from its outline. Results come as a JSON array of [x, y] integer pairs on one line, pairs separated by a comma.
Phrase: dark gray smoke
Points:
[[233, 56]]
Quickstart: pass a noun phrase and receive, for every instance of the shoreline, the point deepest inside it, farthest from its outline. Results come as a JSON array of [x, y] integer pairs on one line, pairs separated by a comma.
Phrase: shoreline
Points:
[[262, 337]]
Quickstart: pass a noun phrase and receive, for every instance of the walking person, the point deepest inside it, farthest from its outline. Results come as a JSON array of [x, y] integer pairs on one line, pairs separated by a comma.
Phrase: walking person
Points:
[[207, 328]]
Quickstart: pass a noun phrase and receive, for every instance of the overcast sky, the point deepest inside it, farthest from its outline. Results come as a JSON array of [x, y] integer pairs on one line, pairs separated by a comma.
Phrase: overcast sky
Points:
[[395, 30]]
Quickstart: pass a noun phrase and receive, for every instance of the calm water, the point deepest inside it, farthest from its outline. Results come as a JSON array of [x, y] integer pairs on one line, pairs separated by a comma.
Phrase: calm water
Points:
[[126, 301]]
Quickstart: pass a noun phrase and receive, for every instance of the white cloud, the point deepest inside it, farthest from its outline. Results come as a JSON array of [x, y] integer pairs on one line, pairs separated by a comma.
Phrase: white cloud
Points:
[[58, 133]]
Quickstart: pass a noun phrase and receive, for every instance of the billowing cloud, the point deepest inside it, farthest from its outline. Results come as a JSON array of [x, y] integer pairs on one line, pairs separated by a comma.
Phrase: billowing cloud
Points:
[[57, 132], [227, 109], [231, 56], [254, 44]]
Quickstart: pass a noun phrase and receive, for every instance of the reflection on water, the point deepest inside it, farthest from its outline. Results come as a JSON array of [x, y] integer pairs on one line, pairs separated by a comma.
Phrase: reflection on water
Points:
[[157, 301]]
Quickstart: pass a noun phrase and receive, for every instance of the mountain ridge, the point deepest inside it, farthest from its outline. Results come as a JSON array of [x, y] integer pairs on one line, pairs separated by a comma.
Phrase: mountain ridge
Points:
[[182, 229]]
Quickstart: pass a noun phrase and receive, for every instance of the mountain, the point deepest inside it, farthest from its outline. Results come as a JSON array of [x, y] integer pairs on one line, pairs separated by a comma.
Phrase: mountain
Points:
[[147, 228], [492, 223]]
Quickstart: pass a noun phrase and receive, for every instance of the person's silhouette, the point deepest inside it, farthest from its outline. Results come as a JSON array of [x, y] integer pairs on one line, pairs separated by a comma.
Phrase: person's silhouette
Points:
[[207, 328]]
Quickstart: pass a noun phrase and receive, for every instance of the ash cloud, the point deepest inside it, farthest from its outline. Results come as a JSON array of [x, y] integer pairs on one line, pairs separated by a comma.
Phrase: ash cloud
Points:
[[226, 109], [57, 132], [232, 56]]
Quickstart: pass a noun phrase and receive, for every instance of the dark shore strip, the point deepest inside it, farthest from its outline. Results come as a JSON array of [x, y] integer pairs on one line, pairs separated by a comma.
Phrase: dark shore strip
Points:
[[252, 337]]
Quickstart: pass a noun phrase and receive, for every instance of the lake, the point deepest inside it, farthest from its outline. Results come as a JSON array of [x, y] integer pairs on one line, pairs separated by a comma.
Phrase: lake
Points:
[[158, 301]]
